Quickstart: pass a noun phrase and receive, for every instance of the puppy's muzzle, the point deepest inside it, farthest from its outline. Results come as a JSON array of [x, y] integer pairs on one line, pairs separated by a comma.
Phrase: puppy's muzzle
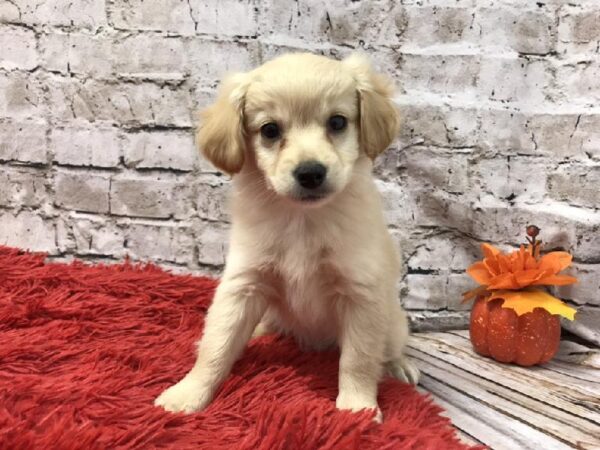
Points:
[[310, 174]]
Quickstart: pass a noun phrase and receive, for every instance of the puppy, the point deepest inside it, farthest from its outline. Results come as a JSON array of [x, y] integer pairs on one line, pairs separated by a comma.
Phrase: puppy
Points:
[[310, 254]]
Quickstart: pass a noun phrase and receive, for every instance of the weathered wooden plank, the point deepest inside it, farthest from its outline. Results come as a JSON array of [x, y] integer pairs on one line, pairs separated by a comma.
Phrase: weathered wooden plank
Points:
[[465, 438], [464, 422], [586, 376], [576, 384], [571, 352], [562, 426], [486, 424], [555, 390], [583, 391]]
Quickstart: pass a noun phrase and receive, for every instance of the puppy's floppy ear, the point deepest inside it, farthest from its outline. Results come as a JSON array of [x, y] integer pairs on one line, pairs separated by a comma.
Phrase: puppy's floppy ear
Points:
[[379, 118], [221, 132]]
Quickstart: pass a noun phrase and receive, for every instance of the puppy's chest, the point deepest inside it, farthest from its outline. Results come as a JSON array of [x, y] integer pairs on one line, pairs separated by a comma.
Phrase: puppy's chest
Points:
[[302, 254], [309, 284]]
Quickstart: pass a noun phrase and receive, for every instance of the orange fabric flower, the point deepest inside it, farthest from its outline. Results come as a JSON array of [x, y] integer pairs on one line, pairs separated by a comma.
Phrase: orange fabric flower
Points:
[[520, 269], [501, 274]]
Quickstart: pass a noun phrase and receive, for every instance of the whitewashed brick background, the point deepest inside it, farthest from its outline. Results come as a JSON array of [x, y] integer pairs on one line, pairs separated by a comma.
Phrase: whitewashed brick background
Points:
[[502, 128]]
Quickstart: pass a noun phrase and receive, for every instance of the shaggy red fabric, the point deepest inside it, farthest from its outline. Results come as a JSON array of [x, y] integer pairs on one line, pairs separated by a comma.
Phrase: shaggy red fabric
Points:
[[84, 350]]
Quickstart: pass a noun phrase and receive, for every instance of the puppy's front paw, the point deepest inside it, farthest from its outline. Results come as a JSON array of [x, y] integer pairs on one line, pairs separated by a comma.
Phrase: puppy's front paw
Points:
[[404, 370], [186, 396], [355, 404]]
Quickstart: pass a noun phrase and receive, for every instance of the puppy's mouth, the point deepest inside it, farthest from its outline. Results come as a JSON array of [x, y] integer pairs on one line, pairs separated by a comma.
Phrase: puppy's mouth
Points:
[[311, 198]]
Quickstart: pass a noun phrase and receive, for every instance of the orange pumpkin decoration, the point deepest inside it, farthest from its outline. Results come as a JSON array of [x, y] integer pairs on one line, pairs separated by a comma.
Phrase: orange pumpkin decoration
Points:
[[529, 339], [511, 321]]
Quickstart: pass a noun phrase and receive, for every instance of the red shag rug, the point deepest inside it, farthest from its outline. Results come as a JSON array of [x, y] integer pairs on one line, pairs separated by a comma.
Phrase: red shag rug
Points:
[[84, 350]]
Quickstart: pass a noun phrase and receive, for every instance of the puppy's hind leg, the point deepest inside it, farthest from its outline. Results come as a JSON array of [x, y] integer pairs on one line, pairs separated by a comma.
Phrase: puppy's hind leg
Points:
[[398, 364]]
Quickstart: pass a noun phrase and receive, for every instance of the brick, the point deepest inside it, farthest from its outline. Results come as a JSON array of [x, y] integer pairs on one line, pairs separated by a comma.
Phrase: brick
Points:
[[507, 79], [579, 29], [397, 208], [17, 49], [85, 192], [126, 104], [557, 134], [563, 226], [586, 136], [155, 197], [160, 149], [511, 178], [103, 56], [378, 23], [213, 193], [576, 184], [173, 16], [551, 134], [225, 17], [23, 141], [211, 59], [95, 147], [165, 242], [449, 74], [444, 3], [77, 53], [587, 246], [458, 284], [446, 171], [439, 126], [168, 57], [302, 21], [88, 14], [585, 291], [387, 166], [585, 324], [506, 131], [20, 96], [577, 82], [213, 240], [437, 25], [27, 230], [533, 33], [22, 188], [203, 97], [444, 252], [438, 320], [91, 235], [493, 220], [426, 291], [526, 32]]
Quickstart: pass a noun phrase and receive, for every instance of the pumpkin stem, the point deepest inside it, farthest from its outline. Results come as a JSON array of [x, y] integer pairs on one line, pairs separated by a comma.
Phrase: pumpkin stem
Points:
[[532, 233]]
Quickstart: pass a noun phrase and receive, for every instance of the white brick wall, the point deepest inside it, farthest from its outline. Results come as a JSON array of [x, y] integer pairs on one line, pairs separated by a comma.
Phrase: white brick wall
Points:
[[500, 98]]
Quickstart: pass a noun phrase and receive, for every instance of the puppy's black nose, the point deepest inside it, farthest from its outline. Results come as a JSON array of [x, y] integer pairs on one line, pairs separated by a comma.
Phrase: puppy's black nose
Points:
[[310, 174]]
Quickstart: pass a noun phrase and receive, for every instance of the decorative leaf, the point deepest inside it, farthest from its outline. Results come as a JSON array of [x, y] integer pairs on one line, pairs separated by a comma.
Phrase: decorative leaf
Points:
[[554, 262], [479, 273], [526, 301], [556, 280], [489, 251]]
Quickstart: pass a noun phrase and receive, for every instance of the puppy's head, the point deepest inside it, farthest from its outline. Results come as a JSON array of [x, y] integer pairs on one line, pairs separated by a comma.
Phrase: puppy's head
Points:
[[305, 119]]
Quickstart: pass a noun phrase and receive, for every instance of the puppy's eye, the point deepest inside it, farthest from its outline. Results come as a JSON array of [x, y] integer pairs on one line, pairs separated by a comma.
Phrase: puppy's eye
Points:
[[337, 123], [270, 130]]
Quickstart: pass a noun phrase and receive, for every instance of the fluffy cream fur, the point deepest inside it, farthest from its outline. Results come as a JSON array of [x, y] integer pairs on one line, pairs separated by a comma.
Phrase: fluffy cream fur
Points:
[[323, 270]]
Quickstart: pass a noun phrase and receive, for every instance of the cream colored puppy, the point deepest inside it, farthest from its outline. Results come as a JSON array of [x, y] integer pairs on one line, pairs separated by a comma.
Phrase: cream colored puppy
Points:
[[310, 254]]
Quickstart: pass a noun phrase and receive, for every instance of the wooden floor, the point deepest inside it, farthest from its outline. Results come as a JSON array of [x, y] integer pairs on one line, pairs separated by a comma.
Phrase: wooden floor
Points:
[[556, 406]]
